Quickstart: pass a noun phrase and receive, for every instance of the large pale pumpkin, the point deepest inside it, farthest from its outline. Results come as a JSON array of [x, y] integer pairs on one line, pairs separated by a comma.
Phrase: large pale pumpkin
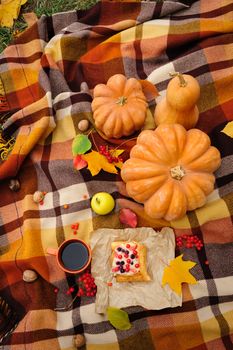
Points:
[[170, 170], [119, 107]]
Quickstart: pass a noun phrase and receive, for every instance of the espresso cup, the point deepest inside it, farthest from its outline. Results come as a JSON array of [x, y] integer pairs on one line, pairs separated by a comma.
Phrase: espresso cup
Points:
[[73, 255]]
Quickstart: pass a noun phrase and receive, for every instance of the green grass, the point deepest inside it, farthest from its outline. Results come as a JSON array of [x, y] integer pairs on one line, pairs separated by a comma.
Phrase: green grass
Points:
[[41, 7]]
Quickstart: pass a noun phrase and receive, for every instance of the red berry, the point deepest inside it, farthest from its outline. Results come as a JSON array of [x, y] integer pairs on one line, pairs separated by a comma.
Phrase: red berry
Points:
[[207, 262], [71, 289], [137, 265], [119, 256], [189, 245], [73, 227], [75, 232], [127, 245], [128, 261], [179, 244], [135, 252], [55, 290]]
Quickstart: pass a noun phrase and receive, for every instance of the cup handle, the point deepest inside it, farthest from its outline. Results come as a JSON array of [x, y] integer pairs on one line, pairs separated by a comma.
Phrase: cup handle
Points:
[[52, 251]]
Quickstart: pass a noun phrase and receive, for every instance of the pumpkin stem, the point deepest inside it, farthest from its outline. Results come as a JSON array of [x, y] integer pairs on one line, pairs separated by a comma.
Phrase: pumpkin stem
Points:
[[121, 101], [183, 82], [177, 172]]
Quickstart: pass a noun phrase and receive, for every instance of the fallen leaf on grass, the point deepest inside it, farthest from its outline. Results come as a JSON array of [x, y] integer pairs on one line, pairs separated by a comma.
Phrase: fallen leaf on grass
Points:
[[177, 273], [228, 130], [9, 11]]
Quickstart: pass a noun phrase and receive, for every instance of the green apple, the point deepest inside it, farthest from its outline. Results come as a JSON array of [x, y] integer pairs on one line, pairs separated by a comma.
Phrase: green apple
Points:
[[102, 203]]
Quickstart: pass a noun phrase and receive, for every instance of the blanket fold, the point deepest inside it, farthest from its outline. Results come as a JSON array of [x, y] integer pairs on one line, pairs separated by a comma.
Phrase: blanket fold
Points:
[[46, 81]]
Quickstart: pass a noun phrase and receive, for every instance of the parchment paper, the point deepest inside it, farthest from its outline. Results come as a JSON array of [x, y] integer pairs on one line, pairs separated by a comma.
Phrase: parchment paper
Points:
[[150, 295]]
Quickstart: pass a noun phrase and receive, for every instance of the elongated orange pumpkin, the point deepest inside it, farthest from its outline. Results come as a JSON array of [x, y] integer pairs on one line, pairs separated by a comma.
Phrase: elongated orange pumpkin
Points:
[[170, 170], [119, 107], [179, 104]]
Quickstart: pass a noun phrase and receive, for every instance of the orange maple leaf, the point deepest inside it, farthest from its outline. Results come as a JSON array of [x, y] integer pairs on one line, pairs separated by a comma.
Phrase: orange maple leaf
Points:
[[97, 162]]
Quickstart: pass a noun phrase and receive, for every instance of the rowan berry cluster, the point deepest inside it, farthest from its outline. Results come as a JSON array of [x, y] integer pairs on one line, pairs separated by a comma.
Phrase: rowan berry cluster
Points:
[[105, 151], [189, 241], [87, 286]]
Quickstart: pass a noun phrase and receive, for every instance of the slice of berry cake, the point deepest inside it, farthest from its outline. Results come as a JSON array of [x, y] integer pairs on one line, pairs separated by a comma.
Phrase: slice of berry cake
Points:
[[129, 262]]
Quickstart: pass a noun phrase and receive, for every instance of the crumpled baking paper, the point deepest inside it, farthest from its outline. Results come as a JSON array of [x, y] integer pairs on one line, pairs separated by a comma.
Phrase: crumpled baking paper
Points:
[[150, 295]]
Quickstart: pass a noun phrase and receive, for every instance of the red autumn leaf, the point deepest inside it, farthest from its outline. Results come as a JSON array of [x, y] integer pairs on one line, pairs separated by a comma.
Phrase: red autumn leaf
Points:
[[149, 90], [79, 162], [128, 217]]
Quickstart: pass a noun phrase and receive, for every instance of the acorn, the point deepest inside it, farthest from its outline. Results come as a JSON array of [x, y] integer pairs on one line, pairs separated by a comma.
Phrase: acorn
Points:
[[38, 196], [83, 125], [79, 340], [29, 276]]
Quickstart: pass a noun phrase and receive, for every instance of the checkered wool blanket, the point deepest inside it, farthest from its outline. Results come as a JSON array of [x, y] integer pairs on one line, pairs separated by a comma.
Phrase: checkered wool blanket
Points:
[[47, 77]]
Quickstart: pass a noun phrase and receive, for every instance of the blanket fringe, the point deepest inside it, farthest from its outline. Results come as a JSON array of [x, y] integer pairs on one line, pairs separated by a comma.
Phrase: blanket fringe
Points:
[[3, 102], [5, 147]]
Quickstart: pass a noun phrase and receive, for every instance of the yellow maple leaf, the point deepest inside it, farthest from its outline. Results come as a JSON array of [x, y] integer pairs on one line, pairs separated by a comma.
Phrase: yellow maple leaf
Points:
[[228, 130], [97, 161], [178, 272], [116, 153], [9, 10]]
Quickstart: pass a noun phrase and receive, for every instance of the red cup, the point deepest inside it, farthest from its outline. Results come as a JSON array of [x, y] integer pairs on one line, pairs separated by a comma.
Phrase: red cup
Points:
[[73, 255]]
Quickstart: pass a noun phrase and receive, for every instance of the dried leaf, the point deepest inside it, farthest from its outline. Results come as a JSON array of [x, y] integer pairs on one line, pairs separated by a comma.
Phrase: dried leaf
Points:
[[228, 130], [118, 318], [128, 217], [81, 144], [97, 161], [178, 272], [149, 90], [79, 163], [9, 10], [30, 18]]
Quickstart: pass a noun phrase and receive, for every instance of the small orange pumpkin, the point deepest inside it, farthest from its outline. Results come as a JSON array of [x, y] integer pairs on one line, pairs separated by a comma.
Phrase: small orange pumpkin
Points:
[[179, 104], [119, 107], [170, 170]]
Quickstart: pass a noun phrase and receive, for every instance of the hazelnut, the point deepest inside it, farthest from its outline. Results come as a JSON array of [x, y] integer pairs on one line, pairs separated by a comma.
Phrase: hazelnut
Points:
[[29, 275], [79, 340], [38, 196], [83, 125], [14, 185]]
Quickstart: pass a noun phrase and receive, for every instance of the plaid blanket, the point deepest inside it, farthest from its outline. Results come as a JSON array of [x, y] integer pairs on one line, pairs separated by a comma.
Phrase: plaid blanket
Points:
[[47, 77]]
